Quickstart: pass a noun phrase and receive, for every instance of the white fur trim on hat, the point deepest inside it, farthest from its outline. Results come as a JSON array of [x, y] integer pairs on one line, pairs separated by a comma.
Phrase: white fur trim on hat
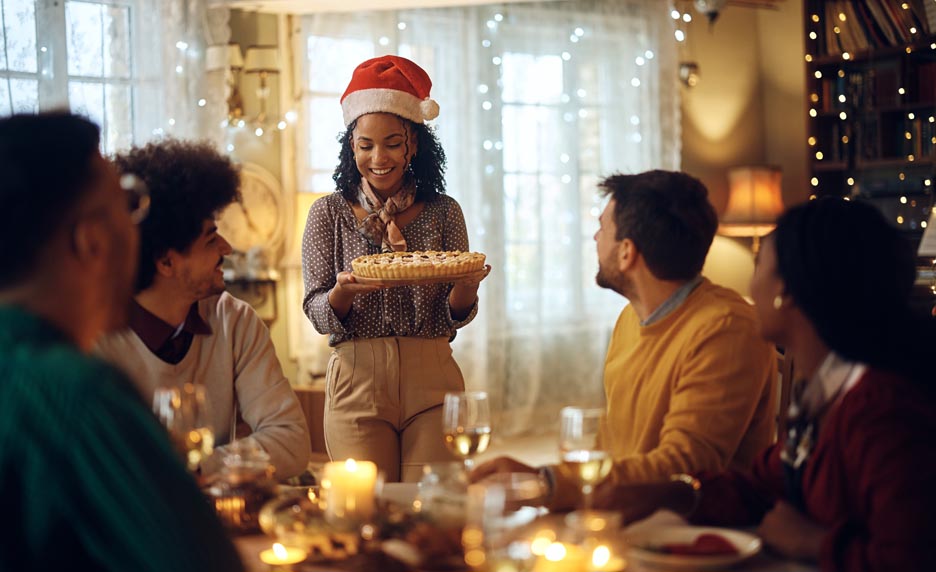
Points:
[[378, 100]]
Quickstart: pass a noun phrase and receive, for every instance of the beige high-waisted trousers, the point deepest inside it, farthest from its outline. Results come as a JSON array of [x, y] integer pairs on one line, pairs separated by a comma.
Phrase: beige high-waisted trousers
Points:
[[383, 402]]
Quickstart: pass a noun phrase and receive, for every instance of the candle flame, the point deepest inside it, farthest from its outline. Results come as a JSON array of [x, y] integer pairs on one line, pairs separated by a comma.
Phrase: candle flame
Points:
[[601, 556], [542, 540], [279, 550], [351, 465], [556, 552]]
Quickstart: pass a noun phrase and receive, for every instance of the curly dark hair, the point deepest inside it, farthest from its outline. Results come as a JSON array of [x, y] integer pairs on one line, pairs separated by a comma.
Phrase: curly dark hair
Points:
[[668, 216], [188, 182], [427, 168]]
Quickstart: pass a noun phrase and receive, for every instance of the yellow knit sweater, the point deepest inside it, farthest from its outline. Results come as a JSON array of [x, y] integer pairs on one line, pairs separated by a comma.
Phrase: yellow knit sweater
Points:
[[693, 391]]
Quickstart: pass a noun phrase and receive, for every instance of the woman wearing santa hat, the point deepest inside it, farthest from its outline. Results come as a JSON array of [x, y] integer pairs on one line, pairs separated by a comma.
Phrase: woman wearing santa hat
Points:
[[391, 362]]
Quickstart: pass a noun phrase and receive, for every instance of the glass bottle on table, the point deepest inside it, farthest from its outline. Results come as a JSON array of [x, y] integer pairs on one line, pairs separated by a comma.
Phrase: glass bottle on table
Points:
[[466, 424], [580, 455], [183, 410]]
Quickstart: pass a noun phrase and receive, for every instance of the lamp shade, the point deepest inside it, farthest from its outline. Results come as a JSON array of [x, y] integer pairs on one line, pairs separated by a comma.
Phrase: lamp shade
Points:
[[754, 201], [222, 57], [261, 59]]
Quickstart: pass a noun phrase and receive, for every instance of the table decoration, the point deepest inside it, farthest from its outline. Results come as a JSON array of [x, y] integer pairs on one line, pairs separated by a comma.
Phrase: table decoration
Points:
[[280, 556], [243, 486], [348, 489]]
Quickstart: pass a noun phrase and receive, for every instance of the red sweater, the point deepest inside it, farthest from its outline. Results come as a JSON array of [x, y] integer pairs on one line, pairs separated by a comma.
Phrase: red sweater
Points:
[[871, 480]]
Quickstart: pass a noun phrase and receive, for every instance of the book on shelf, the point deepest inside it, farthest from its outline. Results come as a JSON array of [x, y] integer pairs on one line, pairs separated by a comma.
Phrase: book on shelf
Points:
[[858, 25]]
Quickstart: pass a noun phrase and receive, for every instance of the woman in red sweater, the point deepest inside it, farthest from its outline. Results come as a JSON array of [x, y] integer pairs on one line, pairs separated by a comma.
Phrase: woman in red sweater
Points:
[[852, 485]]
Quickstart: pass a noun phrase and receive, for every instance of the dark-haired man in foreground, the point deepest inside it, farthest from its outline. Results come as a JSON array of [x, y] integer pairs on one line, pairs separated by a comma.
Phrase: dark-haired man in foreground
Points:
[[88, 478], [689, 382], [184, 327]]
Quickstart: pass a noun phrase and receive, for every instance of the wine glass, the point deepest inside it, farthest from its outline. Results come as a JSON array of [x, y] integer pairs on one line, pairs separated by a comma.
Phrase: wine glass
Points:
[[580, 456], [466, 424], [498, 516], [184, 412]]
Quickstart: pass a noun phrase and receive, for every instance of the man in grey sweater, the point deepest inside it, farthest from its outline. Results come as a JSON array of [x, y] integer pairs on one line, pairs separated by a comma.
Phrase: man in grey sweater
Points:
[[184, 328]]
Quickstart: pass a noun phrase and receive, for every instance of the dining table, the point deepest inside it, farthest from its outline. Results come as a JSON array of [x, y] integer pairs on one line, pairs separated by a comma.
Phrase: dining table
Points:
[[251, 546]]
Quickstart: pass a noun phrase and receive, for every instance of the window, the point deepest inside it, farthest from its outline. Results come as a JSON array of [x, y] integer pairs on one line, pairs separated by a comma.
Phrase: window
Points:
[[537, 103], [73, 54]]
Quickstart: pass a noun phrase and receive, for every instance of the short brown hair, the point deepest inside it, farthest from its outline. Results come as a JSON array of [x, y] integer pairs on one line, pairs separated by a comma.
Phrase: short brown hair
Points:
[[668, 217]]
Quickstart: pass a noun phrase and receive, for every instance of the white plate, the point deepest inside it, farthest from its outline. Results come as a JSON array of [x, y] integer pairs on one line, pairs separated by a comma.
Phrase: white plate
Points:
[[746, 544]]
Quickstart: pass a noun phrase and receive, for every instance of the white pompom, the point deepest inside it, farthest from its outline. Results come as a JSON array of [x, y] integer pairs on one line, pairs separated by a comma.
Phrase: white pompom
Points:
[[429, 108]]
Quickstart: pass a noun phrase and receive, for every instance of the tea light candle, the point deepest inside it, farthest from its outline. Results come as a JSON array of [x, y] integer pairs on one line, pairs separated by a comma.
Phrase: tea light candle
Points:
[[281, 555], [603, 560], [561, 557], [348, 488]]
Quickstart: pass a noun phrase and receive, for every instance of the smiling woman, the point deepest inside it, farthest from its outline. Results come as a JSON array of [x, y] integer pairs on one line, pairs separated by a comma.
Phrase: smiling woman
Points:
[[383, 401]]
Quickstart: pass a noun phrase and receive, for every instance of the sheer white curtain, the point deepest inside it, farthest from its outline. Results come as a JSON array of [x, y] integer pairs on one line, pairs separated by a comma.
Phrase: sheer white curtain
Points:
[[135, 67], [538, 102]]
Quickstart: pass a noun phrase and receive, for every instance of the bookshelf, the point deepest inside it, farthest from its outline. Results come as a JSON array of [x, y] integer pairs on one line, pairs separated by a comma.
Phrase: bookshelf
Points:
[[871, 97]]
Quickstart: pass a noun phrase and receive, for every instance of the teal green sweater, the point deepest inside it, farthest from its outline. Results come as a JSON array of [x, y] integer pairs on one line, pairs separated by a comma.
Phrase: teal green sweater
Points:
[[88, 478]]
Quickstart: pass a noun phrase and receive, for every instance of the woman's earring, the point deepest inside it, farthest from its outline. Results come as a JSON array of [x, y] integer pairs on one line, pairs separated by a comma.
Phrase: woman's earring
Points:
[[778, 302]]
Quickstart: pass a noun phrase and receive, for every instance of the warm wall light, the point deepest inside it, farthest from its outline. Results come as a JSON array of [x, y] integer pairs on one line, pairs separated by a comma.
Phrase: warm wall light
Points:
[[754, 202], [228, 58], [262, 60], [689, 73]]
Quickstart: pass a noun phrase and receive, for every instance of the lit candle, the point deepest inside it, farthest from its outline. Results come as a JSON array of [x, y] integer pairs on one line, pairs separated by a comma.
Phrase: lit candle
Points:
[[603, 560], [281, 555], [348, 489], [560, 557]]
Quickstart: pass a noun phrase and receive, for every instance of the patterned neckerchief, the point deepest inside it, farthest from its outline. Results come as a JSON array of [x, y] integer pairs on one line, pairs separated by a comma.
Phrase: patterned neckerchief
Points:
[[379, 226]]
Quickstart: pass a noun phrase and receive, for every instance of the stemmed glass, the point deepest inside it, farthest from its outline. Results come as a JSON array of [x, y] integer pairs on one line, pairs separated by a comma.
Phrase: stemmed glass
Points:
[[466, 424], [498, 514], [580, 455], [184, 412]]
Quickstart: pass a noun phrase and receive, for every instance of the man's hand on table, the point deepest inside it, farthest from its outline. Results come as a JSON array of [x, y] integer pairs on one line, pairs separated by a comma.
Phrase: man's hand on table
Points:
[[791, 533], [499, 465]]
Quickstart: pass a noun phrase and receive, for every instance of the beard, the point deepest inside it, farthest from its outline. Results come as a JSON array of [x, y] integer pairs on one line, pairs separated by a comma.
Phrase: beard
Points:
[[203, 285], [209, 288], [613, 281]]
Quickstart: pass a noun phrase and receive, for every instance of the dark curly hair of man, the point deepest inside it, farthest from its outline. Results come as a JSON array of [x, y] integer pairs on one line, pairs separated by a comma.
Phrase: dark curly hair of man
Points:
[[427, 168], [188, 182]]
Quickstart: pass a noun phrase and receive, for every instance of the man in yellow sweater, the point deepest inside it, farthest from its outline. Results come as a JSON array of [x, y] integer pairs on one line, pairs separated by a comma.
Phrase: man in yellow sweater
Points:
[[689, 383]]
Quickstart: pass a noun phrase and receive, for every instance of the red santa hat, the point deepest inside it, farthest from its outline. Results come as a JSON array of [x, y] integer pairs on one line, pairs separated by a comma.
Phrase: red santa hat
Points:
[[389, 84]]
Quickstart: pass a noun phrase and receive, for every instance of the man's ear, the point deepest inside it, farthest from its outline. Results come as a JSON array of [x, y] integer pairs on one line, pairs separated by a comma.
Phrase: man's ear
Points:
[[166, 264], [627, 255], [89, 240]]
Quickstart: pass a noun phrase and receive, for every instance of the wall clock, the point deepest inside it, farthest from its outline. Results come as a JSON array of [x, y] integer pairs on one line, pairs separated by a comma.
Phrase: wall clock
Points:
[[257, 221]]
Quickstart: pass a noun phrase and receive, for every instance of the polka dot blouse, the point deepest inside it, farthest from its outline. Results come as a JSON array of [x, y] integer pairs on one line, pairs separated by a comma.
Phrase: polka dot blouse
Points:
[[329, 244]]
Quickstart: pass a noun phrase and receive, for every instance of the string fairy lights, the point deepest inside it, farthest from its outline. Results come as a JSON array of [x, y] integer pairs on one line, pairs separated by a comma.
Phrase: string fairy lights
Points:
[[888, 113]]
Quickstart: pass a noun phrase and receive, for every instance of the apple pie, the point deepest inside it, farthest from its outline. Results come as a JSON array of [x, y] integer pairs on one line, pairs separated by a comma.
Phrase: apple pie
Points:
[[417, 265]]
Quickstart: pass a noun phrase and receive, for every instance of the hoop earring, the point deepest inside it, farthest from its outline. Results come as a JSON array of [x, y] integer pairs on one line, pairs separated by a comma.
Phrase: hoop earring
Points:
[[778, 302]]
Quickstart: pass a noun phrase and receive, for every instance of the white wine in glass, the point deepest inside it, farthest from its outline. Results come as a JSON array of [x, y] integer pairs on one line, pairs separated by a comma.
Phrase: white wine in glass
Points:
[[580, 456], [184, 412], [466, 424]]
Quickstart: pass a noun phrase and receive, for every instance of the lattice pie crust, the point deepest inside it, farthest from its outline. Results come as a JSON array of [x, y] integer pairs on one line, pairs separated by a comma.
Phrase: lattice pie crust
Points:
[[416, 265]]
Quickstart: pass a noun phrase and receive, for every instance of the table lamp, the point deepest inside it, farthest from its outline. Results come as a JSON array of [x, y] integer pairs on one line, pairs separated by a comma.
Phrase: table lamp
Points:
[[754, 203]]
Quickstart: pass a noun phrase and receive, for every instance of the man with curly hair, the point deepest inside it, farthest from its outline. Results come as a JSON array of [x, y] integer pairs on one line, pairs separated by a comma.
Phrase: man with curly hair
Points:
[[88, 480], [184, 327]]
